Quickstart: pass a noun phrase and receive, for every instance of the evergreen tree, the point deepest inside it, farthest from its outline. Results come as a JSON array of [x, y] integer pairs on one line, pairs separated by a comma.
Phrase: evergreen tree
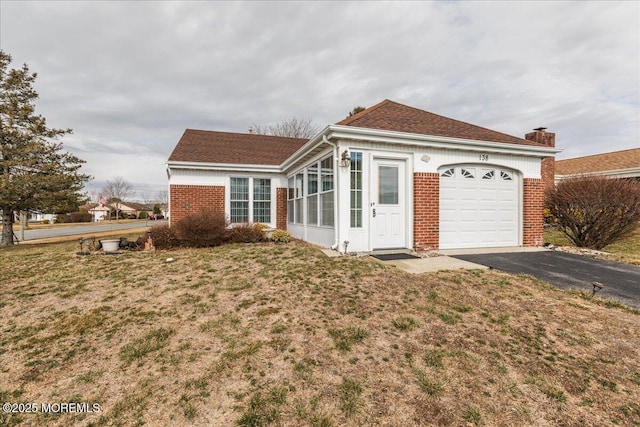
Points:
[[34, 171]]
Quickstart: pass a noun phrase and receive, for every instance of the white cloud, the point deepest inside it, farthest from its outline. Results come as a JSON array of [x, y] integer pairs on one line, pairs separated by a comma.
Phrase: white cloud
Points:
[[129, 77]]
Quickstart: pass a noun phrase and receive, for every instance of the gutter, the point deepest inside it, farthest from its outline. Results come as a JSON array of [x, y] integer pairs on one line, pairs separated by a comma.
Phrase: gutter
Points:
[[336, 198]]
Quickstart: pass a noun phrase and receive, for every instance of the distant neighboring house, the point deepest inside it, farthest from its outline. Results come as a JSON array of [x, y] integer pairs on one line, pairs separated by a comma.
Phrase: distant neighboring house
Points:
[[616, 164], [132, 208], [98, 211], [35, 216], [38, 216], [391, 176]]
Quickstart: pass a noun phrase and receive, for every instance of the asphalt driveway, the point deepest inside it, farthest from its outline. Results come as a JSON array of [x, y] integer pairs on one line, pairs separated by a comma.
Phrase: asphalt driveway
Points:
[[569, 271]]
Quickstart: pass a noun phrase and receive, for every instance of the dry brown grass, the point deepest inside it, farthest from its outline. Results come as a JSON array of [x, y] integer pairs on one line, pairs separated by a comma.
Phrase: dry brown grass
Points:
[[625, 250], [280, 334]]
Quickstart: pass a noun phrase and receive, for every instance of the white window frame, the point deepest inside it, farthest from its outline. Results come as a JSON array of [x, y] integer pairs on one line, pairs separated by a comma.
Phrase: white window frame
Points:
[[251, 199]]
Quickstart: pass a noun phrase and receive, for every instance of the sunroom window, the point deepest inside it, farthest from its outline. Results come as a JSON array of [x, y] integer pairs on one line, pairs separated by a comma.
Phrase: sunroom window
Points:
[[319, 194], [326, 193]]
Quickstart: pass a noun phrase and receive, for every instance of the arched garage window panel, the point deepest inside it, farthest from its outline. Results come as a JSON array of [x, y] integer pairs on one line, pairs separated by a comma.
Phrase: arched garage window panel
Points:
[[468, 173], [488, 174], [506, 176], [449, 173]]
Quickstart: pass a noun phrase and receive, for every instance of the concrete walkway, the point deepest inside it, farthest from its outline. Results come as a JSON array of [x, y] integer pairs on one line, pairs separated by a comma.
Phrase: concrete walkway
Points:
[[431, 264], [446, 261]]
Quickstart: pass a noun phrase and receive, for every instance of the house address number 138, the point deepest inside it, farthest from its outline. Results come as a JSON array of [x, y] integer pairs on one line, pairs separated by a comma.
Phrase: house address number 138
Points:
[[484, 157]]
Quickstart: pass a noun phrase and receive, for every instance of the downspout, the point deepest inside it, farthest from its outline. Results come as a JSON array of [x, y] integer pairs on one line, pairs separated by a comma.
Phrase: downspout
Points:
[[336, 244]]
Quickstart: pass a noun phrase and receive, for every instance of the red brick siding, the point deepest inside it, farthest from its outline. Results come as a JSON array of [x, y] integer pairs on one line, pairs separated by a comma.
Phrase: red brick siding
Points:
[[548, 167], [187, 199], [281, 208], [548, 171], [426, 210], [532, 216]]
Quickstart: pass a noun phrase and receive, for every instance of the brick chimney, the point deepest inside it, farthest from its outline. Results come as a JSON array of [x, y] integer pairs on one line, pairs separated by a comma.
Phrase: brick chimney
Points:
[[548, 167]]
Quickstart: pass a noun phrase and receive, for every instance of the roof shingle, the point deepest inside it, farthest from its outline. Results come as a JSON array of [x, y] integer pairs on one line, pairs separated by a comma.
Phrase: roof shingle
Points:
[[392, 116], [617, 160], [234, 148]]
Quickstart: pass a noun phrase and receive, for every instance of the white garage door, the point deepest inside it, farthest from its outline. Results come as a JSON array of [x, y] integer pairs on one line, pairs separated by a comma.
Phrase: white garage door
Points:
[[478, 207]]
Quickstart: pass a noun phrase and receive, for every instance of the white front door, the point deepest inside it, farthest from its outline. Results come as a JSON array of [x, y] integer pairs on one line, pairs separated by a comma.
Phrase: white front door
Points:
[[388, 204]]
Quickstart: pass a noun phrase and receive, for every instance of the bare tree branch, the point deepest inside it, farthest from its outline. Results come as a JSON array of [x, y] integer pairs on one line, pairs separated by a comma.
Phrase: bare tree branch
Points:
[[291, 128]]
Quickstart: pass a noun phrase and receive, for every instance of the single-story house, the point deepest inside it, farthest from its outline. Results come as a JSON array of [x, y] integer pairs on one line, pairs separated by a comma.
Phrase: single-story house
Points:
[[102, 211], [391, 176], [98, 211], [132, 208], [616, 164]]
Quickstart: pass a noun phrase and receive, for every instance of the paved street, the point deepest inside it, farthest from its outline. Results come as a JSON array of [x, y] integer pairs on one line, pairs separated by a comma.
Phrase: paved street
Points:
[[85, 229]]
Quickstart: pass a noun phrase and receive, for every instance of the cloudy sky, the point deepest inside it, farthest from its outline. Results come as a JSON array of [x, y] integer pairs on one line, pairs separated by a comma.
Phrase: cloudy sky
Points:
[[129, 77]]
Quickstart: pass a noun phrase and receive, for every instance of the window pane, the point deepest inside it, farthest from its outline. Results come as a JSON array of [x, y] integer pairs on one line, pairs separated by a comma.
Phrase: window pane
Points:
[[261, 211], [261, 189], [312, 210], [239, 188], [312, 179], [299, 216], [388, 185], [327, 208], [356, 190], [290, 217], [299, 185], [326, 167], [291, 186], [239, 200], [239, 212]]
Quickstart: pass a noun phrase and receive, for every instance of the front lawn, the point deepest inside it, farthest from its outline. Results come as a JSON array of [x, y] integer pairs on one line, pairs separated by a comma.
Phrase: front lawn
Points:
[[280, 334]]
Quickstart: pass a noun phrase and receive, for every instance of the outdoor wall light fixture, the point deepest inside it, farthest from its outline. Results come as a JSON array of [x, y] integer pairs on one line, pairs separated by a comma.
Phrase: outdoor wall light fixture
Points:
[[345, 159]]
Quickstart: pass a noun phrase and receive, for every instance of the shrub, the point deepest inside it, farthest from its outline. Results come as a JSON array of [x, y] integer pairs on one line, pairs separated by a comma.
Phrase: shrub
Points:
[[81, 217], [202, 229], [246, 233], [45, 221], [595, 211], [163, 237], [280, 236], [74, 217], [143, 215]]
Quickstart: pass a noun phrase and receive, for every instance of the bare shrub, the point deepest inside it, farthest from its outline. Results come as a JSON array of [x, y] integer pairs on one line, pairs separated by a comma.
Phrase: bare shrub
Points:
[[247, 233], [202, 229], [163, 237], [595, 211], [281, 236]]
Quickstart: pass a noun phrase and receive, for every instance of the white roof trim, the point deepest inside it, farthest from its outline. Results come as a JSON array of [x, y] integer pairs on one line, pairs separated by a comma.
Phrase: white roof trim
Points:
[[393, 137], [225, 166], [375, 135]]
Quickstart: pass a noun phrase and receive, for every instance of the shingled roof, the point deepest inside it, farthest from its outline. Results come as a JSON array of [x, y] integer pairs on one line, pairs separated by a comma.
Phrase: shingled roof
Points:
[[617, 160], [234, 148], [392, 116]]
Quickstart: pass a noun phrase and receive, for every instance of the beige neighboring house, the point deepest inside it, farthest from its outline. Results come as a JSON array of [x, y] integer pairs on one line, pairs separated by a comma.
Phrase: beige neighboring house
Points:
[[101, 212], [132, 208], [616, 164]]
